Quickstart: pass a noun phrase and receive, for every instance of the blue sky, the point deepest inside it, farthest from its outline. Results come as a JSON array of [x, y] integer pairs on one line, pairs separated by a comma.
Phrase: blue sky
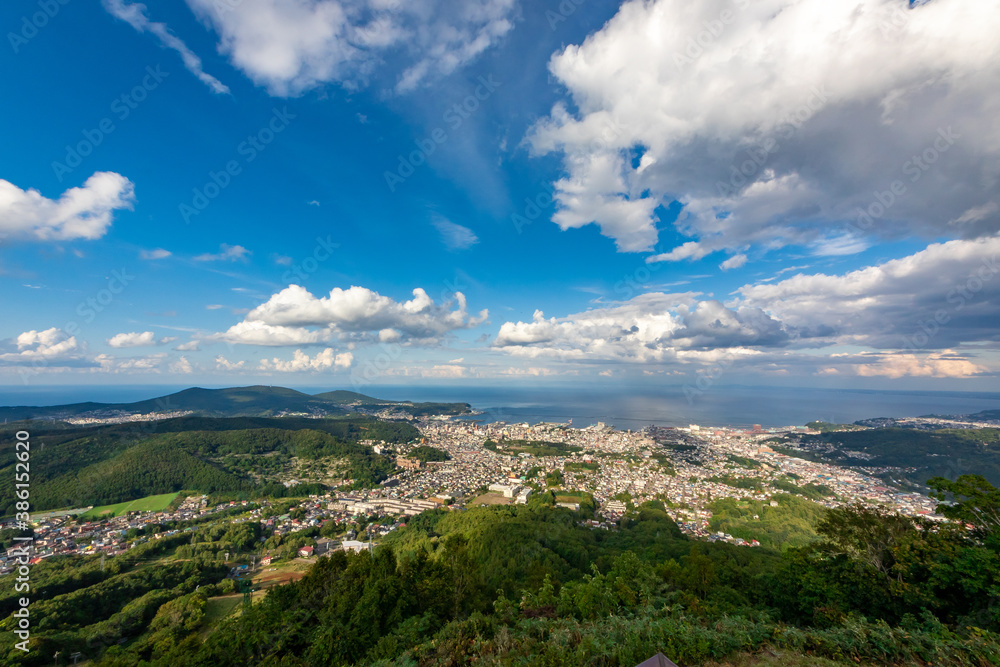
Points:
[[560, 184]]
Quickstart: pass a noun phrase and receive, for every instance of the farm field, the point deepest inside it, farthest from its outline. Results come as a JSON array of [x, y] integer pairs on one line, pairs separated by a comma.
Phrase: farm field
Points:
[[491, 498], [147, 504]]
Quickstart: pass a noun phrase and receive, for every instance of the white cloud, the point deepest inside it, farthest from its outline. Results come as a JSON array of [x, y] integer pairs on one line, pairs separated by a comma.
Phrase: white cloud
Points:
[[290, 47], [190, 346], [138, 339], [651, 327], [301, 361], [906, 315], [734, 262], [689, 250], [950, 289], [50, 347], [724, 104], [223, 364], [454, 236], [144, 339], [294, 316], [975, 214], [134, 14], [182, 366], [147, 364], [945, 364], [446, 371], [158, 253], [230, 253], [80, 213]]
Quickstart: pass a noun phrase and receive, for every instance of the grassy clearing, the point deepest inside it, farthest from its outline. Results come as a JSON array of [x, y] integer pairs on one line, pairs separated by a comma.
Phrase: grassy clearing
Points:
[[281, 573], [218, 608], [147, 504]]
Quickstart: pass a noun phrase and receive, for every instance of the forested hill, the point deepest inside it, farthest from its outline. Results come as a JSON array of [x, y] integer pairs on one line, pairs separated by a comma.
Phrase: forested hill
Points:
[[919, 455], [527, 585], [256, 401], [236, 401], [76, 467], [417, 409]]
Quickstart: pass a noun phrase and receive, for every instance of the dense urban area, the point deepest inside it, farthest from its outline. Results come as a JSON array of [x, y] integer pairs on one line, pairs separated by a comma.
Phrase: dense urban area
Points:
[[688, 469]]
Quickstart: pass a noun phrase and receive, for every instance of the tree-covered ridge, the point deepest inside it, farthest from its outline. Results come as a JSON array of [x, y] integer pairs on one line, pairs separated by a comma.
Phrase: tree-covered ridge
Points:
[[828, 427], [792, 523], [425, 453], [525, 585], [940, 453], [106, 465], [415, 409], [255, 401], [533, 447], [233, 401]]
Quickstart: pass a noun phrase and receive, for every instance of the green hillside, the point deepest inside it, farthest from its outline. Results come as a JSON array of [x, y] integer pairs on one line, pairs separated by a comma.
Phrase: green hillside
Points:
[[944, 453], [235, 401], [343, 397], [256, 401], [112, 464]]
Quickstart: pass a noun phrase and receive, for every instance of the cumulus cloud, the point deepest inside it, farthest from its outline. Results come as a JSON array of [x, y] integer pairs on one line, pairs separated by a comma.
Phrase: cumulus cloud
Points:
[[50, 347], [147, 364], [944, 364], [734, 262], [181, 367], [134, 14], [651, 327], [190, 346], [689, 250], [138, 339], [227, 253], [79, 213], [301, 362], [912, 316], [294, 316], [223, 364], [290, 47], [724, 104], [940, 297]]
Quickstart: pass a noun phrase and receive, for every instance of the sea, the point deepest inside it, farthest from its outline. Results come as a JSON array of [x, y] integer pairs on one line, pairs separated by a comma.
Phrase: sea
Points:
[[622, 407]]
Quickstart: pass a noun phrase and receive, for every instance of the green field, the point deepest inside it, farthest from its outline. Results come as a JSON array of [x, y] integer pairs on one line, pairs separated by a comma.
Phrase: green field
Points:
[[217, 609], [147, 504]]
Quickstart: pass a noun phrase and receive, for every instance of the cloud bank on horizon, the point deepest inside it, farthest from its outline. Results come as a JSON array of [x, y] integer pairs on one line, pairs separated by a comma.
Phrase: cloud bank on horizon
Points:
[[790, 189]]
